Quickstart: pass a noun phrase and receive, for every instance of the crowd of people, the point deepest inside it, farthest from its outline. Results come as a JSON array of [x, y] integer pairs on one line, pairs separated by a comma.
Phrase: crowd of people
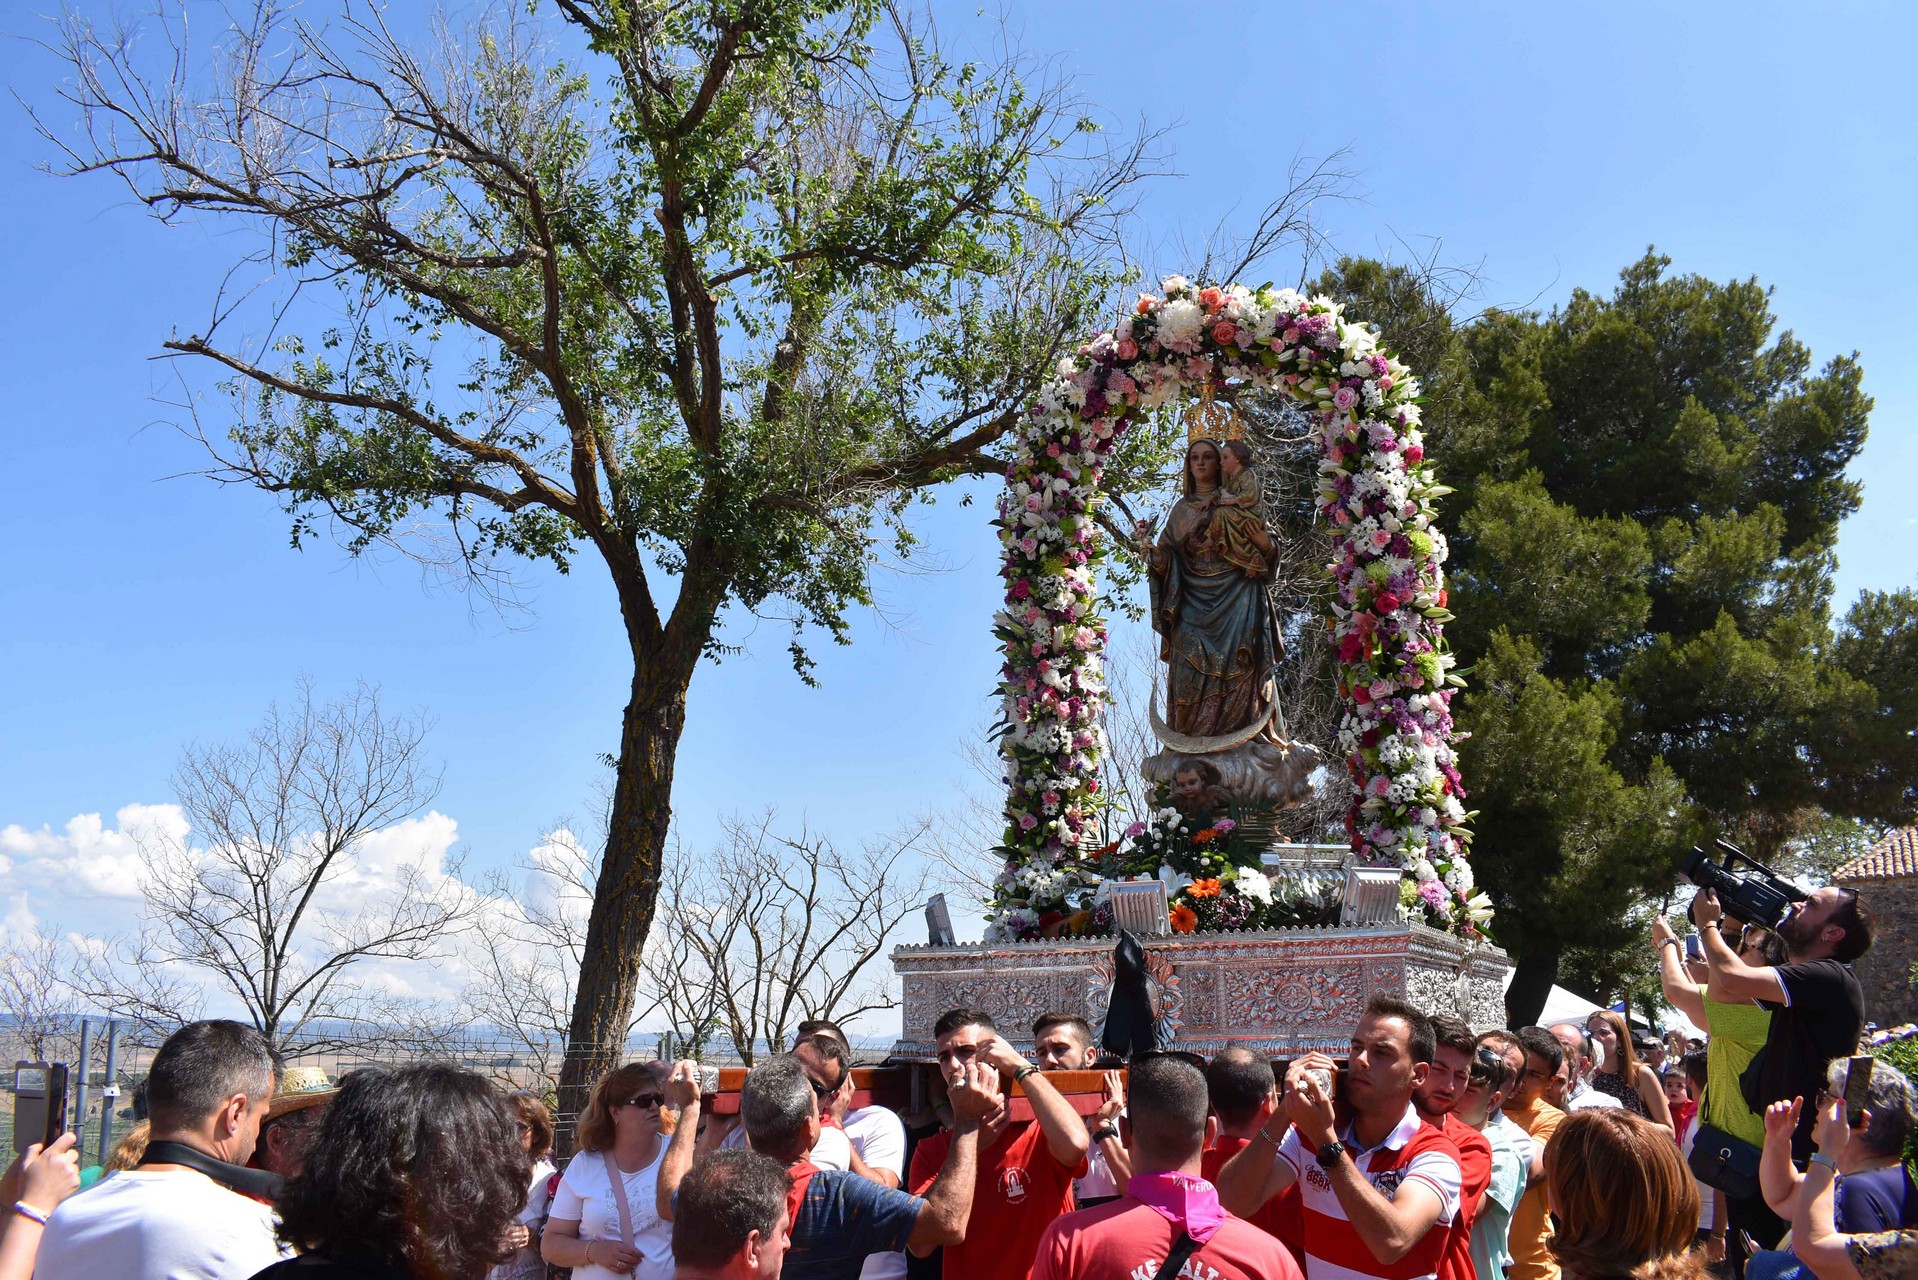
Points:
[[1428, 1152]]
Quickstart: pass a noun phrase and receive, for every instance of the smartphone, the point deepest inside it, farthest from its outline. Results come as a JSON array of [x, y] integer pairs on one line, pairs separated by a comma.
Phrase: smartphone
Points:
[[1857, 1089], [1694, 949], [39, 1103]]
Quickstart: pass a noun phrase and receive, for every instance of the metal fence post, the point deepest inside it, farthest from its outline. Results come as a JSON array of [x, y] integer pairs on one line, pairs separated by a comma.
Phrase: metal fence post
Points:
[[80, 1088], [110, 1091]]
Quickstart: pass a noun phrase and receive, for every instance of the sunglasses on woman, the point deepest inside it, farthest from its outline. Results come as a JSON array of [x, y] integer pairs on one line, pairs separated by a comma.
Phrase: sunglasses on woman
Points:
[[646, 1100]]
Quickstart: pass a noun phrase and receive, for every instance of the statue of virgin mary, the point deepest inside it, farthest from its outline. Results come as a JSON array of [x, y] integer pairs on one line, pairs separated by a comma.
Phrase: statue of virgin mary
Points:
[[1219, 635]]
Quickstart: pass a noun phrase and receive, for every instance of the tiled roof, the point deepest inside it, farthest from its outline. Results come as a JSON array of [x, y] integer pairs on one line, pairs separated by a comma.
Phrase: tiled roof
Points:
[[1893, 858]]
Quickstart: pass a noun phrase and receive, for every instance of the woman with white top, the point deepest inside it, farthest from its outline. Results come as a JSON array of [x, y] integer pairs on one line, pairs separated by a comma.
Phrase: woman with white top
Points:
[[604, 1222], [536, 1138]]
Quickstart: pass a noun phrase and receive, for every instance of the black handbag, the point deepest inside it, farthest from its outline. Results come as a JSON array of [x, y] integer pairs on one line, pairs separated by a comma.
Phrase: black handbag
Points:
[[1726, 1162]]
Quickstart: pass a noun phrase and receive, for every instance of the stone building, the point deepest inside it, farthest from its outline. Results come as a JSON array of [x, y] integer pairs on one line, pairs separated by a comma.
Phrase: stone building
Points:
[[1887, 878]]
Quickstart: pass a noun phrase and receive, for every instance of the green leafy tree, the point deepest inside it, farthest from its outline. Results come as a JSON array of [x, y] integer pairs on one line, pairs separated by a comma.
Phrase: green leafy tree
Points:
[[1649, 488], [704, 293]]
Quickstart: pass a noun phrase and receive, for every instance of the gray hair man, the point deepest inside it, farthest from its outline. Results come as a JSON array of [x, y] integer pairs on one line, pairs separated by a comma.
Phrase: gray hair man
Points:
[[177, 1214], [841, 1217]]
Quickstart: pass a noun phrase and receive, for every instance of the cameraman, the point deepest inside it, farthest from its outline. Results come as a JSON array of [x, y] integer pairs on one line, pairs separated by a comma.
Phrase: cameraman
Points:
[[1817, 1007]]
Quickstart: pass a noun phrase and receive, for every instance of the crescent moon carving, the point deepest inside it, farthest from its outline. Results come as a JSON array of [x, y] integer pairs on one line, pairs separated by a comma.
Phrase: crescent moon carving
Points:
[[1192, 746]]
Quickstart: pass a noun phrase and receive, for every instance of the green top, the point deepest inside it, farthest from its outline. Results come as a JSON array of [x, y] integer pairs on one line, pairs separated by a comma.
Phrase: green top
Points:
[[1737, 1034]]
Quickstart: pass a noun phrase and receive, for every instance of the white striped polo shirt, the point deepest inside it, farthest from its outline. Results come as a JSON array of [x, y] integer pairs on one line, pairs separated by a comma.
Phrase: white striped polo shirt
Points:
[[1413, 1151]]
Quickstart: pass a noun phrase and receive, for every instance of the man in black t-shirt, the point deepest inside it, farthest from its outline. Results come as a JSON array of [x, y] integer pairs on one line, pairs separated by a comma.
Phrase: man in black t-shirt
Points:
[[1817, 1007]]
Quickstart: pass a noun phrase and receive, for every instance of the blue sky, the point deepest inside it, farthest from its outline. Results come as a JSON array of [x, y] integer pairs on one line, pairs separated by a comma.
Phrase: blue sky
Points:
[[1547, 144]]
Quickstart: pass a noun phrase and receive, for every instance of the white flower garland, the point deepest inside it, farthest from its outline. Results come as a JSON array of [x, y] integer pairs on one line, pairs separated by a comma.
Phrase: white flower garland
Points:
[[1376, 492]]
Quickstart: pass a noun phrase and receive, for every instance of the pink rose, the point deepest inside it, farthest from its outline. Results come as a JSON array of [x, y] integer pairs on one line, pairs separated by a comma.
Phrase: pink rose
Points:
[[1224, 332], [1029, 545], [1027, 822], [1386, 603], [1414, 453], [1211, 297], [1052, 451], [1345, 397], [1021, 589], [1128, 349], [1381, 539], [1291, 335]]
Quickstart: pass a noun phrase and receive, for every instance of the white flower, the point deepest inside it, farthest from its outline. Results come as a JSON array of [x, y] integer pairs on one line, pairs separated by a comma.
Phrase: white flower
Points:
[[1180, 324], [1174, 284], [1254, 884], [1175, 881], [1424, 871]]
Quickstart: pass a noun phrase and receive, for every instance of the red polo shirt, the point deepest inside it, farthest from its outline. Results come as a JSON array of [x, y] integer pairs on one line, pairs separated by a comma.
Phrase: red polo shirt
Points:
[[1475, 1174], [1021, 1188]]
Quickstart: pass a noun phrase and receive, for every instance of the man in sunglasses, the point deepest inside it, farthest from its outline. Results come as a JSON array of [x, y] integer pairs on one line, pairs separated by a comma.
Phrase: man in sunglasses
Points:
[[1445, 1084], [1478, 1107], [1026, 1167], [838, 1219]]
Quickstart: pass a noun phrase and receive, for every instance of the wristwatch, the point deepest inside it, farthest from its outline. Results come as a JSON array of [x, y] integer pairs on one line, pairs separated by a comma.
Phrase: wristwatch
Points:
[[1329, 1154], [1103, 1132]]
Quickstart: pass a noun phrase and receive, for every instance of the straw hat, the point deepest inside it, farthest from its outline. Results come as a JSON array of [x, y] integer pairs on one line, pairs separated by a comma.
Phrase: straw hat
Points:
[[300, 1088]]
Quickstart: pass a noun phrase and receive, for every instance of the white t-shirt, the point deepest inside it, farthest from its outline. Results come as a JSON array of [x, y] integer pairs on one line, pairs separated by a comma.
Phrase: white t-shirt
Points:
[[140, 1225], [832, 1151], [879, 1136], [586, 1197], [1584, 1098], [526, 1264]]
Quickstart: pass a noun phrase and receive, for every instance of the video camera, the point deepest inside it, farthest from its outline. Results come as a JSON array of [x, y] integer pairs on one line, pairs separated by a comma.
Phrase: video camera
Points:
[[1753, 893]]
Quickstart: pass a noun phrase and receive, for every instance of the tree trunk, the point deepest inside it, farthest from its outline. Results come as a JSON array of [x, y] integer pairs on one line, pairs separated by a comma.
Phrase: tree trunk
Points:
[[628, 887], [1531, 987]]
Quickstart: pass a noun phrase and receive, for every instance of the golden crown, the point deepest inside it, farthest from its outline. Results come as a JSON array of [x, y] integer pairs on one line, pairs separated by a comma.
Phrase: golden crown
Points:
[[1207, 419]]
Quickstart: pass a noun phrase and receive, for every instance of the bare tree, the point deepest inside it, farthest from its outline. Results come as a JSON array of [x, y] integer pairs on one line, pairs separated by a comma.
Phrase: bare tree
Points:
[[270, 898], [769, 930], [525, 957], [35, 998]]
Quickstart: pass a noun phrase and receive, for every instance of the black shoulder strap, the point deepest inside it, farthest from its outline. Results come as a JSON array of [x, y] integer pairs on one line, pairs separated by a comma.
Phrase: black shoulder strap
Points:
[[1182, 1248], [249, 1182]]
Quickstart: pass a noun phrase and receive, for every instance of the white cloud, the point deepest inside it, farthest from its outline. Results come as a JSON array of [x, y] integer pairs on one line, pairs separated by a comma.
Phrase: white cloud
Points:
[[86, 858]]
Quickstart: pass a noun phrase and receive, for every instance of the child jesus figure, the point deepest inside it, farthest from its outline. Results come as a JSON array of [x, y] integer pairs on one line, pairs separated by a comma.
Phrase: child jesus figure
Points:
[[1238, 529]]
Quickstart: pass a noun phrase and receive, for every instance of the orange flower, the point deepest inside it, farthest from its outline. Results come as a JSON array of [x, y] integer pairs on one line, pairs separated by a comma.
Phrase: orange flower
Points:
[[1184, 919], [1207, 836], [1202, 889]]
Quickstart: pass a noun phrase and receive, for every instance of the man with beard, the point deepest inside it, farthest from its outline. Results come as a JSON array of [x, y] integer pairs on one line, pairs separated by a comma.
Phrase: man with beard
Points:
[[1436, 1099], [1817, 1007], [1380, 1193]]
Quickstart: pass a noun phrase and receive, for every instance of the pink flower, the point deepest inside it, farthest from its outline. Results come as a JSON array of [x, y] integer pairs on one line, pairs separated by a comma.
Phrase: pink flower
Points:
[[1386, 603], [1027, 822], [1224, 332], [1050, 797], [1146, 303], [1291, 335], [1028, 545], [1224, 825], [1021, 589], [1345, 397], [1414, 453], [1135, 830], [1128, 349], [1211, 297], [1381, 539], [1052, 450]]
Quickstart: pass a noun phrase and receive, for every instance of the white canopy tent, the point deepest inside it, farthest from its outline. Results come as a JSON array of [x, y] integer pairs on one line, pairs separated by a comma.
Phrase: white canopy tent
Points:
[[1563, 1006]]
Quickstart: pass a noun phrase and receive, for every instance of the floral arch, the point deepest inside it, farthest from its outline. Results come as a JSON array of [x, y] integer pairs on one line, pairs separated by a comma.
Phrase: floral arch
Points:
[[1376, 492]]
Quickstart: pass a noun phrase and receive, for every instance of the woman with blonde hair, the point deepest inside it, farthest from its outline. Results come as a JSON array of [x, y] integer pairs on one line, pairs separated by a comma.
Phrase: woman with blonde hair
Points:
[[1621, 1074], [604, 1221], [1626, 1205]]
